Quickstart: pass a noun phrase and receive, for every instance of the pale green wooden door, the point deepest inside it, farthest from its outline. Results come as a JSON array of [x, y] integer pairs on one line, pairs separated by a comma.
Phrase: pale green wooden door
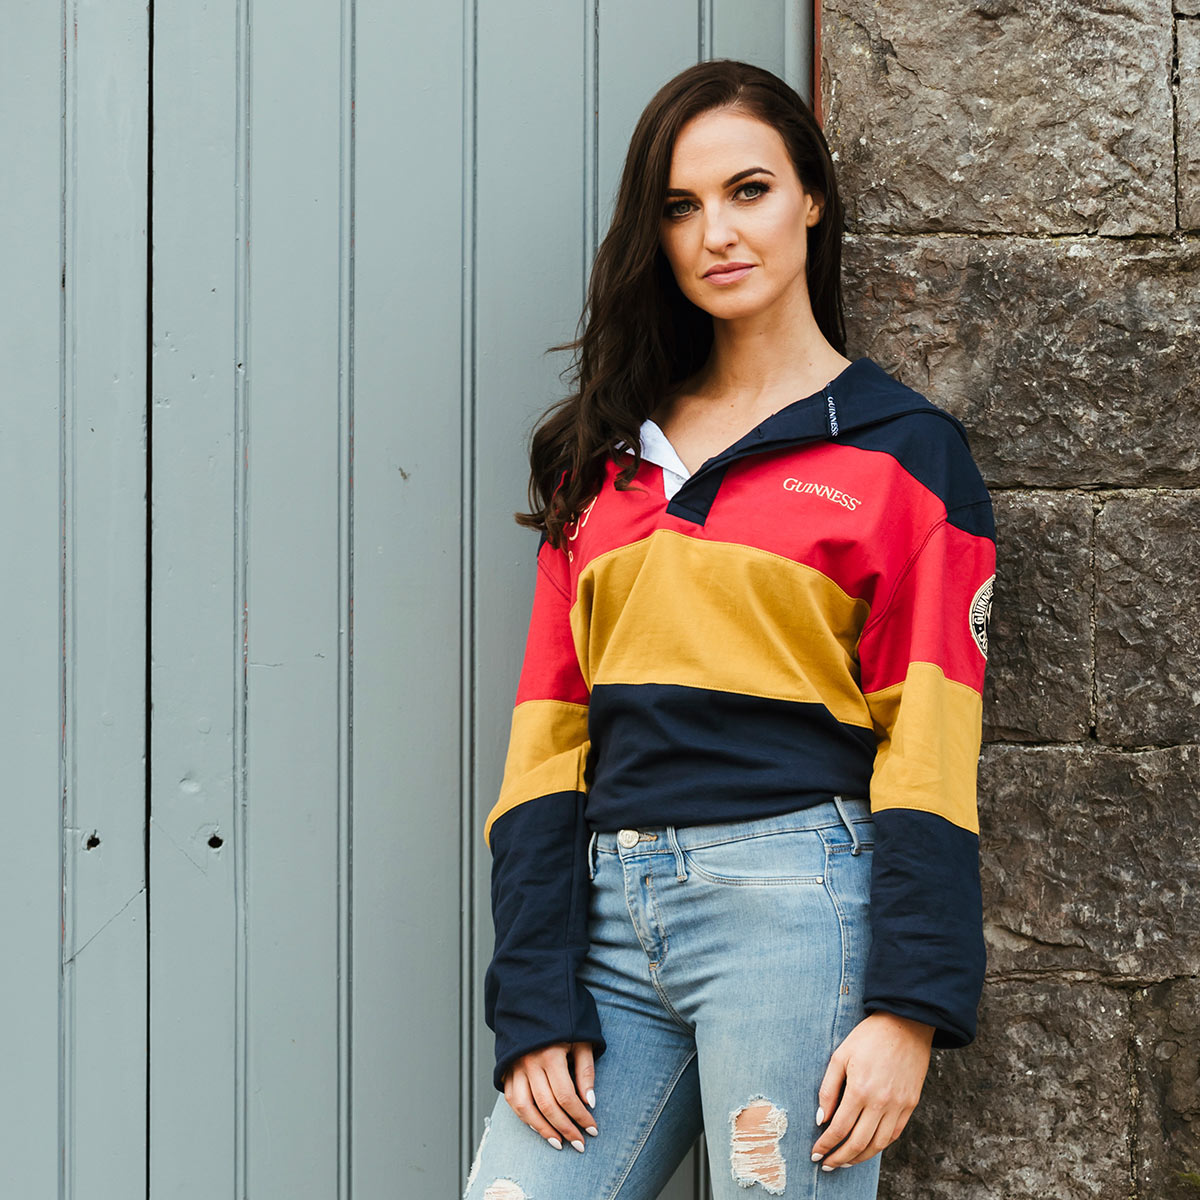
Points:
[[272, 349]]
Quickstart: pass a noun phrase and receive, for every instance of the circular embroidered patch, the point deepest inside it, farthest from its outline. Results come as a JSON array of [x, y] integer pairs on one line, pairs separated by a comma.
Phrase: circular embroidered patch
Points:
[[981, 613]]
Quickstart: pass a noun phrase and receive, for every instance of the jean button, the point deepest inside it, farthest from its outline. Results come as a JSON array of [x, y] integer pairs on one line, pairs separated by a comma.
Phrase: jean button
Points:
[[628, 837]]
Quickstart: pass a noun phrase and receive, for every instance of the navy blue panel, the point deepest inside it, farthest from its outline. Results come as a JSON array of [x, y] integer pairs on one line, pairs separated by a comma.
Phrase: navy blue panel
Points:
[[927, 958], [540, 889], [660, 751], [930, 452]]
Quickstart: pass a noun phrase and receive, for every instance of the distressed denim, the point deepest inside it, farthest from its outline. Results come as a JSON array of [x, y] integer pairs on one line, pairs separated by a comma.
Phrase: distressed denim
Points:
[[727, 964]]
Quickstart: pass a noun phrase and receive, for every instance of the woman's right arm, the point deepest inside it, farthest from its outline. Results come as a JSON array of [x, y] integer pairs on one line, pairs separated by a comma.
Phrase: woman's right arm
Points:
[[538, 838]]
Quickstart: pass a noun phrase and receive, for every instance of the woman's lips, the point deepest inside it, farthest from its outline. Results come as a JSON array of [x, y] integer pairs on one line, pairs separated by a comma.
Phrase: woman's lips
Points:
[[723, 277]]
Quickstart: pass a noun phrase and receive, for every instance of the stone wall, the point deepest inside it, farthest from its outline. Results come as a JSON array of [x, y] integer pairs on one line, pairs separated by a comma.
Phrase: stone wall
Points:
[[1022, 186]]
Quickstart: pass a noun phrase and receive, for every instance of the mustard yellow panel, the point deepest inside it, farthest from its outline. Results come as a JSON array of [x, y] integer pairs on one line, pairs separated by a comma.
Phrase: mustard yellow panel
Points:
[[674, 609], [547, 752], [928, 757]]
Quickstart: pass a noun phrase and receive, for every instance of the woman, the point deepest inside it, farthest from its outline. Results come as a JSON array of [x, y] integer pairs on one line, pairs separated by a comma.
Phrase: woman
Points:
[[735, 873]]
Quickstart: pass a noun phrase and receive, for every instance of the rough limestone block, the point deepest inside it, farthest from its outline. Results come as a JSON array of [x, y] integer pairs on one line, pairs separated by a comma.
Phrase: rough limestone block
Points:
[[1189, 123], [1166, 1037], [1072, 362], [1037, 1106], [1147, 633], [1001, 115], [1039, 674], [1090, 860]]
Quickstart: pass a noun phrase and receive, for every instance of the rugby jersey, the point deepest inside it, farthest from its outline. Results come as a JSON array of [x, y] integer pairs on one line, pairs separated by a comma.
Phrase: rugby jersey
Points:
[[804, 615]]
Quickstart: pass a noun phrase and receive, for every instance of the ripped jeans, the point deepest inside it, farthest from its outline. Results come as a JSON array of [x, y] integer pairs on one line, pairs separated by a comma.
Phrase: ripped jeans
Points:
[[727, 963]]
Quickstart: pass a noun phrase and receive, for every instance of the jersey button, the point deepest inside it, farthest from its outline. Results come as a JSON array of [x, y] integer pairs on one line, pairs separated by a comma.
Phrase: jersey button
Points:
[[627, 837]]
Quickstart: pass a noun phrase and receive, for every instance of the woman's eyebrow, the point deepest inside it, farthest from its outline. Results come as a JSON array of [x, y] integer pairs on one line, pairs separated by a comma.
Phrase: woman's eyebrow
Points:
[[728, 183]]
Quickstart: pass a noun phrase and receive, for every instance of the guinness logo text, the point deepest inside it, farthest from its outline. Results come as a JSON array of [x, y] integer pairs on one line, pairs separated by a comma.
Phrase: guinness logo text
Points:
[[824, 491]]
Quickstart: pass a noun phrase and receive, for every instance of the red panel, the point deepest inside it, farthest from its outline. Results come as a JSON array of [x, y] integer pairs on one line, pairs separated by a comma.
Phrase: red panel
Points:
[[551, 668], [929, 620]]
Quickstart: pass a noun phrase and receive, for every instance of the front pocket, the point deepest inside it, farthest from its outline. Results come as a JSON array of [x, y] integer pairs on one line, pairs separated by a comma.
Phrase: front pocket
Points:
[[792, 856]]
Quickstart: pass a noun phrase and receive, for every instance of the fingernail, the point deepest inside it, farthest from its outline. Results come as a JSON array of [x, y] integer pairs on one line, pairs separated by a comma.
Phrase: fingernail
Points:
[[820, 1116], [817, 1157], [591, 1098], [826, 1167], [555, 1143], [847, 1164], [578, 1146], [592, 1130]]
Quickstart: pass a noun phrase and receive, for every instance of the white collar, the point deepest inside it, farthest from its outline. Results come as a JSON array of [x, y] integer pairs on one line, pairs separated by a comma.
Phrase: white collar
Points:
[[656, 449]]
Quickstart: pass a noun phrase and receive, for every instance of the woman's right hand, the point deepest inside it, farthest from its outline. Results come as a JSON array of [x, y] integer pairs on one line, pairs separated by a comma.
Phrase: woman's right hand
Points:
[[539, 1089]]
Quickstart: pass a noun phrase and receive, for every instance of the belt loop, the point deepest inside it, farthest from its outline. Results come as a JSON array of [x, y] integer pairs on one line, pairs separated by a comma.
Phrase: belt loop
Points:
[[680, 869], [849, 825], [592, 854]]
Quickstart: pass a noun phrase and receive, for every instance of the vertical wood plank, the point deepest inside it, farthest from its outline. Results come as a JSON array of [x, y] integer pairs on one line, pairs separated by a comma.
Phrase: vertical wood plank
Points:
[[73, 82], [411, 371], [198, 902], [295, 627], [104, 967], [32, 367]]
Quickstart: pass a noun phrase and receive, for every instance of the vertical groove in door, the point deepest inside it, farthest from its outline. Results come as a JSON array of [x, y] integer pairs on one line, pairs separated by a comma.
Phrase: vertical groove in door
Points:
[[591, 139], [345, 720], [148, 806], [66, 476], [241, 616], [469, 1000]]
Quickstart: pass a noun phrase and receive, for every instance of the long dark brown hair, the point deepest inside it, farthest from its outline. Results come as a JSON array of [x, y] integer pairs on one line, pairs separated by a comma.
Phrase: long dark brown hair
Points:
[[640, 334]]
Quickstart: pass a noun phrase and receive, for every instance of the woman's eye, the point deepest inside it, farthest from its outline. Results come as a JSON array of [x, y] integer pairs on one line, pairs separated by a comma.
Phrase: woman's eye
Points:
[[678, 208]]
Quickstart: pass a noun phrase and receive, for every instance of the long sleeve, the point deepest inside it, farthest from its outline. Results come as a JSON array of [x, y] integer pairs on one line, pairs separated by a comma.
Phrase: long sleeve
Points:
[[538, 839], [922, 660]]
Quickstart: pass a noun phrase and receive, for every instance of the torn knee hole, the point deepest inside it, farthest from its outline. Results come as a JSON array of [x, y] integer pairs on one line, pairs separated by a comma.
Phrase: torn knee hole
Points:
[[755, 1156], [504, 1189]]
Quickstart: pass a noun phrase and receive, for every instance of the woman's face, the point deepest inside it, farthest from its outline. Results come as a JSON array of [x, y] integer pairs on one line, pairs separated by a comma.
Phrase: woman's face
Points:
[[734, 196]]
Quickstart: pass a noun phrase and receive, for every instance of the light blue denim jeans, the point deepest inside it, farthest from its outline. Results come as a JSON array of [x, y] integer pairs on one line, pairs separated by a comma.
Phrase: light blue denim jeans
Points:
[[727, 964]]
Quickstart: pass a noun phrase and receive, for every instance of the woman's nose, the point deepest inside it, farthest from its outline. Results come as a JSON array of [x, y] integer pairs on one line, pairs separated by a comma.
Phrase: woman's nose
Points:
[[718, 231]]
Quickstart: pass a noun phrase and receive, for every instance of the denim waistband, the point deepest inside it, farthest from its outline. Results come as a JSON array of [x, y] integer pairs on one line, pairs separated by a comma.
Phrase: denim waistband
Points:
[[672, 839]]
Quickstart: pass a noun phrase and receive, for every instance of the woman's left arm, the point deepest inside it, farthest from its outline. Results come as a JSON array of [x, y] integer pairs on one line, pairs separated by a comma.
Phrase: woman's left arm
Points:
[[922, 659]]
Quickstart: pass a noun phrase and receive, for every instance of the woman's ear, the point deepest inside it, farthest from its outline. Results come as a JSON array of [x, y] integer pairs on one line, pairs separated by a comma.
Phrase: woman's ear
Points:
[[817, 209]]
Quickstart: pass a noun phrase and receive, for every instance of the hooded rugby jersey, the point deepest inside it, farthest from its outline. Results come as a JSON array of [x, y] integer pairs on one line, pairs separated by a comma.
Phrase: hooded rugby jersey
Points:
[[805, 615]]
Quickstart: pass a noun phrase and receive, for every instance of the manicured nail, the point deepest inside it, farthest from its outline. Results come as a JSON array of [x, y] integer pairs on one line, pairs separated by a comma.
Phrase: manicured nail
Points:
[[826, 1167], [555, 1143], [592, 1130], [591, 1098], [818, 1157], [847, 1164], [578, 1146], [820, 1116]]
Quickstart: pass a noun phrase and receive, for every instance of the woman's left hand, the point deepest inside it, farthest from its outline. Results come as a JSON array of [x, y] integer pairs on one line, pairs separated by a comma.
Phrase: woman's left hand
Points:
[[883, 1062]]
